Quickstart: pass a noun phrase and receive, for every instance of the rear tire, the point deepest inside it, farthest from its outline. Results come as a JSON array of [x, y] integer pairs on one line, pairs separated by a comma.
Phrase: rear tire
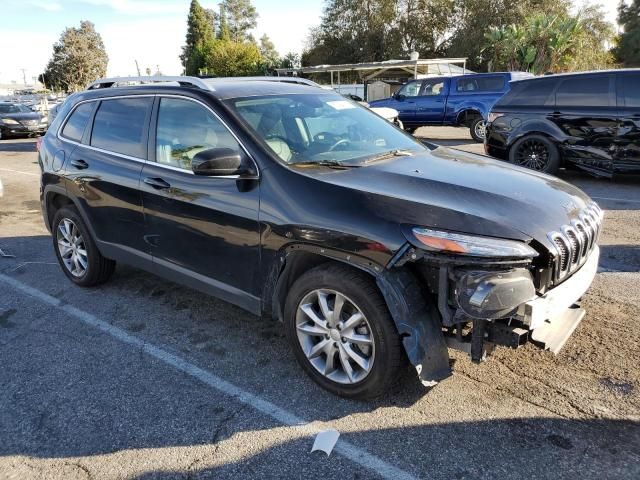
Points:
[[535, 152], [332, 364], [77, 253], [477, 129]]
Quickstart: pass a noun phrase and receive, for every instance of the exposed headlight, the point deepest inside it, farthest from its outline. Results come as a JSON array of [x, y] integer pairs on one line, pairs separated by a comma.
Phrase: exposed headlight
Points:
[[493, 116], [472, 245], [9, 121]]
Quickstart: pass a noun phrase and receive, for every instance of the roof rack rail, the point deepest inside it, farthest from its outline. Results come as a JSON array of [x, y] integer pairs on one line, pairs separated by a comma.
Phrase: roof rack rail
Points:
[[115, 81], [265, 78]]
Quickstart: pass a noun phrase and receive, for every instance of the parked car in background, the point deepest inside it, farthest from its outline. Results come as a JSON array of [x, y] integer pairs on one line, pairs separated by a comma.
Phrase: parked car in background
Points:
[[290, 201], [19, 120], [53, 111], [463, 100], [587, 120]]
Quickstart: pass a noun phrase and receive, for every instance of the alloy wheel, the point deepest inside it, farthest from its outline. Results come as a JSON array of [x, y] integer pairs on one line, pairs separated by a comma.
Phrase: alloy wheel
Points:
[[480, 129], [72, 248], [335, 336], [533, 154]]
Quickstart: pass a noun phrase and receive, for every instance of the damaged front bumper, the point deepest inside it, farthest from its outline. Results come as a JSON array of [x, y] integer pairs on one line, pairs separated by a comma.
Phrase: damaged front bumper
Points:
[[554, 316], [473, 308], [547, 320]]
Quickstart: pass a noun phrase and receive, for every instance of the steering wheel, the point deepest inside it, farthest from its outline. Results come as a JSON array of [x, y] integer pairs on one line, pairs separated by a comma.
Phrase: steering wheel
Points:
[[277, 137], [324, 137], [342, 141]]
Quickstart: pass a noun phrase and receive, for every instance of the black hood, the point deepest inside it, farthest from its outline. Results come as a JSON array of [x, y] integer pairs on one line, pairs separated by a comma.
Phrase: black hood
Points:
[[453, 190]]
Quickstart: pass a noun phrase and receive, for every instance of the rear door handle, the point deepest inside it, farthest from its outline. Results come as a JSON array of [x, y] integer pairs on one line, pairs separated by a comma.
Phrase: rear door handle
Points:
[[79, 164], [157, 183]]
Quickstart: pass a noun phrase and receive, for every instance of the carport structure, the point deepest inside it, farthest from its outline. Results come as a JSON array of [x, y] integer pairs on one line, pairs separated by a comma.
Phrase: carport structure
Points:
[[389, 69]]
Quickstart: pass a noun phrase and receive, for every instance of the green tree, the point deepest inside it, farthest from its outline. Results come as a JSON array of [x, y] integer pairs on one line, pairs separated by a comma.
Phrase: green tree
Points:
[[223, 32], [627, 51], [241, 16], [270, 56], [225, 58], [78, 58], [470, 20], [200, 36], [354, 31], [551, 43], [423, 26], [290, 60]]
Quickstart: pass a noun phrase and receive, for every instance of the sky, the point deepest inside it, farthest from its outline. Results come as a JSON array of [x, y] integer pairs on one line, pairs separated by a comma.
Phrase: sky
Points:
[[149, 31]]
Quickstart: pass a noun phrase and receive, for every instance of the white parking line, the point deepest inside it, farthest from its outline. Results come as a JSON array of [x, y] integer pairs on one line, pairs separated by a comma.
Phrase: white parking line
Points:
[[344, 448], [18, 171]]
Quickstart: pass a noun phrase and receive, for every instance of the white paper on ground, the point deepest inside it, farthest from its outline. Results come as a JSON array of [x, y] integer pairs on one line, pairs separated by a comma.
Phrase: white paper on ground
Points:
[[325, 441]]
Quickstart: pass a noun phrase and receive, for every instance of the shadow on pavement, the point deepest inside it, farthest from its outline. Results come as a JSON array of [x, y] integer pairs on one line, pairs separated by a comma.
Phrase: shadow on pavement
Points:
[[622, 258], [13, 146], [67, 392]]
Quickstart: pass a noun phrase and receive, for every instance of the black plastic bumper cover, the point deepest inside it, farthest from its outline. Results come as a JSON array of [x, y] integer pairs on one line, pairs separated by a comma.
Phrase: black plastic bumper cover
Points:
[[418, 322]]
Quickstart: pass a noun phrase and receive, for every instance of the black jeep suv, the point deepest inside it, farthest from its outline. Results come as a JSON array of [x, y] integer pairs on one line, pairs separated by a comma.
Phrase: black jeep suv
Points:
[[298, 204], [586, 120]]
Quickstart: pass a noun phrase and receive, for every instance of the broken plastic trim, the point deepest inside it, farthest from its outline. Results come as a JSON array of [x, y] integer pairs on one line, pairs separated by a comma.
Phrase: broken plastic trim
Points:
[[418, 323]]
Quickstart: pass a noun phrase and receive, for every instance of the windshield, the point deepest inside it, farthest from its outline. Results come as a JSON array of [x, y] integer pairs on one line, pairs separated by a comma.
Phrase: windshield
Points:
[[12, 108], [321, 128]]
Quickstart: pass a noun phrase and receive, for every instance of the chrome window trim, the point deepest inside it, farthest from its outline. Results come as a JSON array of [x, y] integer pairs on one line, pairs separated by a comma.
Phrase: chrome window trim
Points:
[[146, 161]]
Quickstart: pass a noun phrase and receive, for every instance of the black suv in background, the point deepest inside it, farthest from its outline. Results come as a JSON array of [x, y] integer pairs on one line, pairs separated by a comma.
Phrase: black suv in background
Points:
[[298, 204], [586, 120]]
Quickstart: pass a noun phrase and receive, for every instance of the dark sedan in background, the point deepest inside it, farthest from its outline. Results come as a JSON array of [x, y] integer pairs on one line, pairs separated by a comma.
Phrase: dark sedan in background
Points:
[[19, 120], [588, 120]]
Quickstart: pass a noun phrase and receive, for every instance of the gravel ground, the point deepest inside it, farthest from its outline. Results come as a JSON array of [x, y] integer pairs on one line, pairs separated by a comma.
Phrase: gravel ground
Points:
[[142, 378]]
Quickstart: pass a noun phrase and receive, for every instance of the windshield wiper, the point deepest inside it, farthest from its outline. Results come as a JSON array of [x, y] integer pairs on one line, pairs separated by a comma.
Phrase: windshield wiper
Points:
[[389, 154], [326, 163]]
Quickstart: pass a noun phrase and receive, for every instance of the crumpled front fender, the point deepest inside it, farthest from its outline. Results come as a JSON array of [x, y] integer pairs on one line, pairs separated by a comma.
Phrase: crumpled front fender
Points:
[[418, 322]]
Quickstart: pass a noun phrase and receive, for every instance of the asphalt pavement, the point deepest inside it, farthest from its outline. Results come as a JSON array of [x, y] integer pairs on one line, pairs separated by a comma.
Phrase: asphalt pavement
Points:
[[142, 378]]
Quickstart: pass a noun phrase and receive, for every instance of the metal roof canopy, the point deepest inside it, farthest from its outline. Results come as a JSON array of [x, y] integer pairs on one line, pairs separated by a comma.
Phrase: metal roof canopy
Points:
[[390, 68]]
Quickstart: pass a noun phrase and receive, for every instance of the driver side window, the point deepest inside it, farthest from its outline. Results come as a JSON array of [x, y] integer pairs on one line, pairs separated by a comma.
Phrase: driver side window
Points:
[[410, 89], [186, 128]]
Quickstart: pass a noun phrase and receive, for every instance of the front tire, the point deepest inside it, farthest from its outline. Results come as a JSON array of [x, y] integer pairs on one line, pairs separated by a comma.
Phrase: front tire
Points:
[[342, 333], [78, 255], [478, 129], [535, 152]]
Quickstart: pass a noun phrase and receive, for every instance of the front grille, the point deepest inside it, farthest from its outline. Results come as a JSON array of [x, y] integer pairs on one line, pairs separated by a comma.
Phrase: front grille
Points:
[[29, 123], [574, 242]]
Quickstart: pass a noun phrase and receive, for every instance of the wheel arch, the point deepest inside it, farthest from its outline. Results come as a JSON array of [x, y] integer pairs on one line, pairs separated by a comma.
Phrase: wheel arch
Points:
[[55, 198], [466, 114], [416, 320], [294, 260], [538, 132]]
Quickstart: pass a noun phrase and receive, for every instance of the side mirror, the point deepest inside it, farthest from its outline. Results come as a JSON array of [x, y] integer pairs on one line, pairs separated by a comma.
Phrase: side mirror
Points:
[[218, 162], [400, 97]]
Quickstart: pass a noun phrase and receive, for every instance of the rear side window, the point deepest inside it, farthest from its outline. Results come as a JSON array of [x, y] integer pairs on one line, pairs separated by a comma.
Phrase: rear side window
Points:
[[583, 92], [74, 128], [120, 126], [481, 84], [528, 93], [629, 86]]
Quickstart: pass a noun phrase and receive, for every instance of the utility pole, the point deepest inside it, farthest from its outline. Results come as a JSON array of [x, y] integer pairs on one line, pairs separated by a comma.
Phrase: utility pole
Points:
[[138, 68], [24, 76]]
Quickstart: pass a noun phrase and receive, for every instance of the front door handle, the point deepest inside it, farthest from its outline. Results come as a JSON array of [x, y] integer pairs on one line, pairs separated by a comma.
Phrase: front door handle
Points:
[[79, 164], [157, 183]]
